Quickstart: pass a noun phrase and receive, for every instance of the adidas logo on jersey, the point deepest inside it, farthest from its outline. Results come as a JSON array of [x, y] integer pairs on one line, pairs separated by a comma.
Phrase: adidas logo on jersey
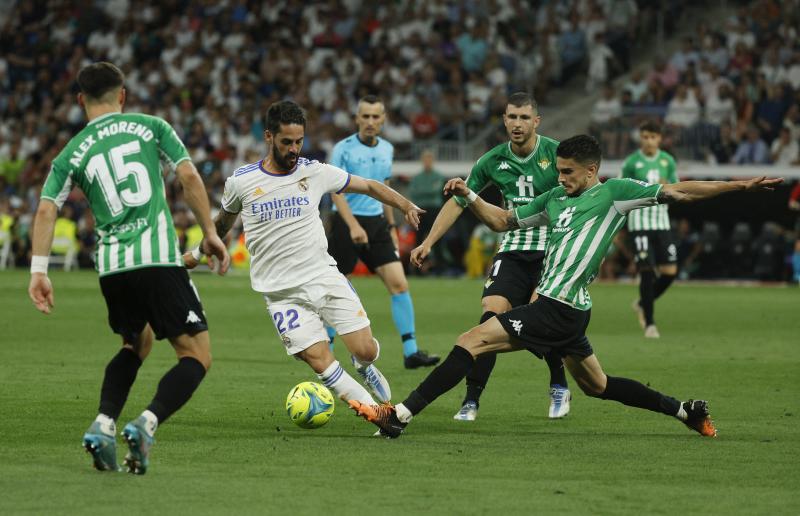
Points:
[[192, 317], [504, 166], [517, 324], [258, 192]]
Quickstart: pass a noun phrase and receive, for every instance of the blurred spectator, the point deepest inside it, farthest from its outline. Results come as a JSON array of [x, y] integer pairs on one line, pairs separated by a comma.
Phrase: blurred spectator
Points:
[[572, 47], [770, 111], [720, 107], [599, 56], [637, 86], [723, 149], [683, 111], [686, 56], [664, 74], [785, 150], [751, 150]]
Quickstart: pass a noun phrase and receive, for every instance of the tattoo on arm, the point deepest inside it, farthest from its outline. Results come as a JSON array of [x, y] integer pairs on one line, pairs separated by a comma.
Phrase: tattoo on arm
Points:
[[224, 222], [666, 197], [512, 222]]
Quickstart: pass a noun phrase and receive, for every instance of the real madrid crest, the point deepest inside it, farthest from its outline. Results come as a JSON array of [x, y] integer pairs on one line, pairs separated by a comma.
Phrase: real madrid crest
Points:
[[303, 184]]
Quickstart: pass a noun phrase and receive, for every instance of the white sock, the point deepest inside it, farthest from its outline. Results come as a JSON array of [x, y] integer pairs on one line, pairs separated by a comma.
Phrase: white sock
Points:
[[362, 364], [343, 385], [152, 422], [107, 425], [682, 415], [403, 414]]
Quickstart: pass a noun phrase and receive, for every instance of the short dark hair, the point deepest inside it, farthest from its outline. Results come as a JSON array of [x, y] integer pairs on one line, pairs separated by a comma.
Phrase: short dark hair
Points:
[[371, 99], [521, 98], [582, 148], [284, 112], [98, 79], [651, 126]]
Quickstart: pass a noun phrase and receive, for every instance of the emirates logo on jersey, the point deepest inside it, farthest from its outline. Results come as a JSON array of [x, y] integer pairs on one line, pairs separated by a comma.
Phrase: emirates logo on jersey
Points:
[[303, 184]]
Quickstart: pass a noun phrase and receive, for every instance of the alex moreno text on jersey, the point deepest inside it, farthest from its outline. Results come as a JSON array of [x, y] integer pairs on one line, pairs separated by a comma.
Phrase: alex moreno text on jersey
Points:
[[277, 209]]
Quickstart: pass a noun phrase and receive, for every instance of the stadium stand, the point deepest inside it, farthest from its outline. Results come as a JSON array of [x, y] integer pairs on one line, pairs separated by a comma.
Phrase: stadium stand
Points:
[[444, 69]]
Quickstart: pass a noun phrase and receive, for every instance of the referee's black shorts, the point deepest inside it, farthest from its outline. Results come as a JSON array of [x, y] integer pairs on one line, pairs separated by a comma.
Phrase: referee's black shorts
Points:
[[378, 251], [164, 297], [547, 325]]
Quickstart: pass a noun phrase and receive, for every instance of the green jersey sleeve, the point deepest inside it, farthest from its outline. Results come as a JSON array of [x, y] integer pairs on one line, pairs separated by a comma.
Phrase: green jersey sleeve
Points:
[[477, 180], [535, 212], [630, 194], [170, 145], [59, 181]]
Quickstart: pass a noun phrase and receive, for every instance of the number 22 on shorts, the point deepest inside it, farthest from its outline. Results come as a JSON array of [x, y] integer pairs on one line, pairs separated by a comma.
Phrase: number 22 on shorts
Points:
[[290, 318]]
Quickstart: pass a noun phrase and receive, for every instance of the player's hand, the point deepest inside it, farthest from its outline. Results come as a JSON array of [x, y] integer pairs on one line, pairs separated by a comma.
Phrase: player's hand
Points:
[[213, 248], [413, 213], [358, 235], [189, 262], [759, 184], [456, 186], [41, 292], [419, 254]]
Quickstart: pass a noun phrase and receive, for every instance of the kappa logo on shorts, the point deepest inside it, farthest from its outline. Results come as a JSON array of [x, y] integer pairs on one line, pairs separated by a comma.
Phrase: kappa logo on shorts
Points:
[[517, 324], [488, 283], [192, 317]]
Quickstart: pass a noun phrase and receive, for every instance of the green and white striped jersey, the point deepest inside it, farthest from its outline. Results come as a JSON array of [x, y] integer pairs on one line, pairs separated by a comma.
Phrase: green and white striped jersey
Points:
[[657, 169], [581, 229], [116, 161], [520, 180]]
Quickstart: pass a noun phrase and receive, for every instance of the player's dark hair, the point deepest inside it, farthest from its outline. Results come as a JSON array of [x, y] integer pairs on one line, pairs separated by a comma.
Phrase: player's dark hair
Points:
[[98, 79], [284, 112], [651, 126], [521, 99], [371, 99], [582, 148]]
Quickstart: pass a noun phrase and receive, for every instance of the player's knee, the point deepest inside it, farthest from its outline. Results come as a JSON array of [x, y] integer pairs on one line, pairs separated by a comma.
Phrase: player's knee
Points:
[[591, 388], [398, 286], [469, 340]]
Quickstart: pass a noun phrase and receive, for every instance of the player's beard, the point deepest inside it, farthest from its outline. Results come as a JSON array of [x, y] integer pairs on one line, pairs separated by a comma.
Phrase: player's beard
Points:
[[285, 163]]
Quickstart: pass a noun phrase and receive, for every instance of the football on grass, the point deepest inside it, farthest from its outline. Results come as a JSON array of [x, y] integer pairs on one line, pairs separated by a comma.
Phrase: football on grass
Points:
[[309, 405]]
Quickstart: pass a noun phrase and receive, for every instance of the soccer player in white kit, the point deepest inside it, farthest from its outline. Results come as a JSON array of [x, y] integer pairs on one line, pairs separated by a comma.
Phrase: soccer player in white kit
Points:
[[278, 199]]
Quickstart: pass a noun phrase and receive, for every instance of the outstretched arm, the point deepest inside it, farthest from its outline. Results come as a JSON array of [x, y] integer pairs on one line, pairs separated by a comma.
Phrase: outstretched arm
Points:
[[386, 195], [496, 218], [690, 191], [444, 220]]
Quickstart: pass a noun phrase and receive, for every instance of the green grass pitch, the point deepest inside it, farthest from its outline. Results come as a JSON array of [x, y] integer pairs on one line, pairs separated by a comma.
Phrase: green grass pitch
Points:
[[232, 449]]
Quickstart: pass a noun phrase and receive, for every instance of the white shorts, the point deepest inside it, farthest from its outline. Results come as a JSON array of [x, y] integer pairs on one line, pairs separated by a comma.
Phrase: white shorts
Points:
[[299, 312]]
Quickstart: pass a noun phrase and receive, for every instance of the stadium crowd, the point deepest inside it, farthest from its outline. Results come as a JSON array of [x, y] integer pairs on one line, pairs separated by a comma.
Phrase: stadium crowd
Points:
[[443, 68], [730, 94]]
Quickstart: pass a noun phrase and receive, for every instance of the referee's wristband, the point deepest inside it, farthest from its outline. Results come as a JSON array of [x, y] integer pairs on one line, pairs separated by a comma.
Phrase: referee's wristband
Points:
[[39, 264], [470, 198], [197, 254]]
